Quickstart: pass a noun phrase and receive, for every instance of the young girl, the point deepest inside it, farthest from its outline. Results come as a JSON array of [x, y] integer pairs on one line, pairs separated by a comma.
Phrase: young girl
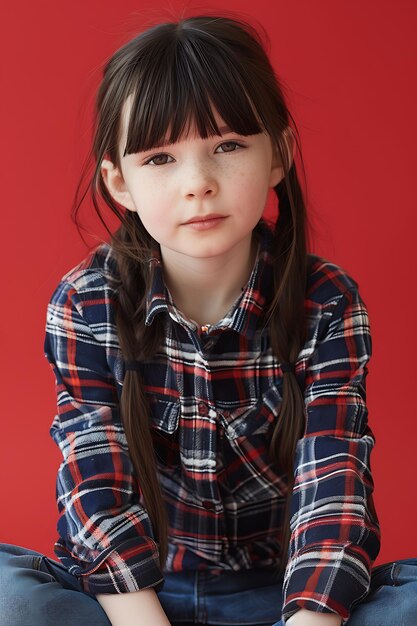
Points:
[[210, 371]]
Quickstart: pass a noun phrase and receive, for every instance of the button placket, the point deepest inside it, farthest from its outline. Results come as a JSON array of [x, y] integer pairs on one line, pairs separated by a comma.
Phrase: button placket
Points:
[[198, 436]]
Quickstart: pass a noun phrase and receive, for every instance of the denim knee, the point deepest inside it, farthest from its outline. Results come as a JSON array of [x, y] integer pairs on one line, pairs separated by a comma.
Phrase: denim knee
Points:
[[34, 591], [16, 580]]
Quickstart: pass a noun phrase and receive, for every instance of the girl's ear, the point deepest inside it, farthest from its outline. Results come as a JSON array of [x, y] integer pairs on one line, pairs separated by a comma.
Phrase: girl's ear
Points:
[[117, 187], [277, 169]]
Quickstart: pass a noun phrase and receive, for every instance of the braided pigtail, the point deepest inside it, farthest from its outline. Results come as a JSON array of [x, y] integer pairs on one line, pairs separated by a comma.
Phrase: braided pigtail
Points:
[[287, 330], [137, 342]]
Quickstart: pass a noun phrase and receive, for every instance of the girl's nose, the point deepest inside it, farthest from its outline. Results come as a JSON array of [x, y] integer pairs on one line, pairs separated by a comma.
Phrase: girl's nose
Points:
[[200, 183]]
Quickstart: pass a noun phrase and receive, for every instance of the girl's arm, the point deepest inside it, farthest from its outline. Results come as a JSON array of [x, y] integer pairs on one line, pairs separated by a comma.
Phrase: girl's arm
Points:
[[335, 534], [133, 609], [303, 617], [105, 535]]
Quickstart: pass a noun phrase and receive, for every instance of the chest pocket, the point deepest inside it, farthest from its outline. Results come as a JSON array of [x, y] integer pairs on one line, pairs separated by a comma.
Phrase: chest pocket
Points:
[[258, 418], [164, 420], [250, 473]]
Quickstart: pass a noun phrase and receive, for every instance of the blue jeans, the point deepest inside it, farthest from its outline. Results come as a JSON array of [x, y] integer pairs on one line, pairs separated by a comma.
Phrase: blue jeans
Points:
[[38, 591]]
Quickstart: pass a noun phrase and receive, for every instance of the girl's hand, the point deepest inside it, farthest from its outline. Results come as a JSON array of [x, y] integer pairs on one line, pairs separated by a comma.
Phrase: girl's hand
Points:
[[304, 617]]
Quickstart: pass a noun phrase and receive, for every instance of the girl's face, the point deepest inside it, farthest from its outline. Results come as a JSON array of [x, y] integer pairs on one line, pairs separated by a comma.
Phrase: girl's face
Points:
[[198, 197]]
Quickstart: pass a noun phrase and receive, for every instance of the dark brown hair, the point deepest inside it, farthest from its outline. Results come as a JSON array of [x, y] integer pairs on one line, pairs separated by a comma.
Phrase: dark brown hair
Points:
[[176, 72]]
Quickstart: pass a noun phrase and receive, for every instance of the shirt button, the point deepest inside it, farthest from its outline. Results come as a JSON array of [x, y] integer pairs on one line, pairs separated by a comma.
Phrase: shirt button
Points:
[[207, 504], [202, 408]]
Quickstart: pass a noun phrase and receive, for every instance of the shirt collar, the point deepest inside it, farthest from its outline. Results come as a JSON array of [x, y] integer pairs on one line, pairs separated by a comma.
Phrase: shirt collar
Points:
[[244, 315]]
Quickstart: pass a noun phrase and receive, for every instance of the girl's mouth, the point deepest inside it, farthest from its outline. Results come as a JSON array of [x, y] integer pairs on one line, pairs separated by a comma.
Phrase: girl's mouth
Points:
[[204, 222]]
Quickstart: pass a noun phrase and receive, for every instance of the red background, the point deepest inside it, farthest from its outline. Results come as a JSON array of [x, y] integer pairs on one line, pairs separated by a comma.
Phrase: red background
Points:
[[349, 70]]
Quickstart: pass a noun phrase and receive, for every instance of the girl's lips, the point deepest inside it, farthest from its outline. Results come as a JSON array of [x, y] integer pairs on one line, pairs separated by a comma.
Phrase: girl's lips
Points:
[[204, 218], [205, 222]]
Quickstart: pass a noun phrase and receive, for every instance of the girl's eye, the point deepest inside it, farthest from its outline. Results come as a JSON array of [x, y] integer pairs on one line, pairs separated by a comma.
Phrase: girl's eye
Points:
[[157, 159], [228, 145]]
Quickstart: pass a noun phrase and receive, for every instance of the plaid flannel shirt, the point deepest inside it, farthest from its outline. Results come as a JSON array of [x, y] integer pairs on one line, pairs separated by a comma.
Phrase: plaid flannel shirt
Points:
[[214, 398]]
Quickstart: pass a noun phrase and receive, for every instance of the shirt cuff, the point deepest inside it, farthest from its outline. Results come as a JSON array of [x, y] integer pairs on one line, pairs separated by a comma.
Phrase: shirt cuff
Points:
[[131, 566], [335, 585]]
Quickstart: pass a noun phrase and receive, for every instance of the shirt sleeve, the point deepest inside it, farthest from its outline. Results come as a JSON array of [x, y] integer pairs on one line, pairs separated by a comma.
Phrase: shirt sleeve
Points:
[[105, 535], [335, 534]]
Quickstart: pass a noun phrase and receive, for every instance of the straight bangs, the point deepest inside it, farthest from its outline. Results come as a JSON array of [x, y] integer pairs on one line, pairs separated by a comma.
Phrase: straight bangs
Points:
[[178, 87]]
